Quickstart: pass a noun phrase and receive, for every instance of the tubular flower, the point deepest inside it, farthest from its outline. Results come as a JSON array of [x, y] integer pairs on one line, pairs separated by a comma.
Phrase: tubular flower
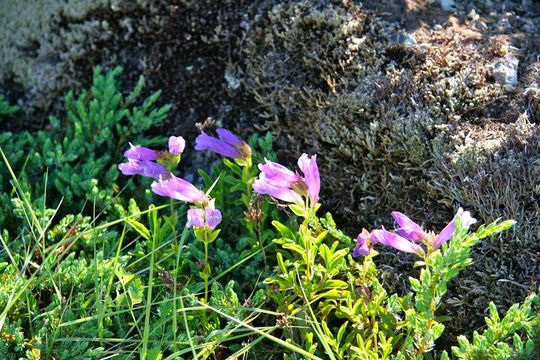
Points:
[[283, 184], [179, 189], [144, 168], [148, 162], [311, 176], [228, 144], [446, 234], [141, 153], [362, 247], [408, 228], [199, 218], [388, 238], [177, 144]]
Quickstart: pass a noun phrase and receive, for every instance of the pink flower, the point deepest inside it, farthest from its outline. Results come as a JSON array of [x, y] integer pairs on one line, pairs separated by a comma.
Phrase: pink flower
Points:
[[362, 247], [177, 144], [141, 153], [144, 168], [207, 217], [388, 238], [408, 228], [448, 232], [283, 184], [228, 144], [179, 189]]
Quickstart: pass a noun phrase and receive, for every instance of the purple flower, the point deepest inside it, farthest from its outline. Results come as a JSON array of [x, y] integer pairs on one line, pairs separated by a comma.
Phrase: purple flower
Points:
[[311, 176], [144, 168], [142, 160], [199, 218], [283, 184], [141, 153], [179, 189], [408, 228], [446, 234], [213, 217], [177, 144], [388, 238], [362, 247], [228, 144], [195, 218]]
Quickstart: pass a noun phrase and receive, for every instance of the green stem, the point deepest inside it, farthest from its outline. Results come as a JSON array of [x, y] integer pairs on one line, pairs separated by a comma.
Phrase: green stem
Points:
[[206, 270], [146, 333]]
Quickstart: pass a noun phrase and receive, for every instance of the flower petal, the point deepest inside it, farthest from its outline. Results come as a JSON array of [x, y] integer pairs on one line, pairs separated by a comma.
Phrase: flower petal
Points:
[[195, 218], [177, 144], [206, 142], [362, 247], [311, 175], [279, 191], [229, 137], [466, 219], [445, 234], [388, 238], [144, 168], [141, 153], [275, 171], [213, 217], [179, 189]]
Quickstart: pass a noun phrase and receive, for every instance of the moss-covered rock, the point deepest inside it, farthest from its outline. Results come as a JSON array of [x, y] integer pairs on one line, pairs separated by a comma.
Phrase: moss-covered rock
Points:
[[186, 48], [402, 127]]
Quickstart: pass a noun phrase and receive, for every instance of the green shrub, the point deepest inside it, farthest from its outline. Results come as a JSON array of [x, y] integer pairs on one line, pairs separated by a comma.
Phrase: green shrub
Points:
[[79, 153]]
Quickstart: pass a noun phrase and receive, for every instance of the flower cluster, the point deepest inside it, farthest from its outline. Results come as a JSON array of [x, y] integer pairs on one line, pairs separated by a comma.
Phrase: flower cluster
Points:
[[278, 182], [150, 163], [283, 184], [409, 233]]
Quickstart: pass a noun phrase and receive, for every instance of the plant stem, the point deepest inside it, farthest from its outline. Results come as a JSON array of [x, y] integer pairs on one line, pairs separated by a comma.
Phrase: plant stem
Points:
[[206, 270]]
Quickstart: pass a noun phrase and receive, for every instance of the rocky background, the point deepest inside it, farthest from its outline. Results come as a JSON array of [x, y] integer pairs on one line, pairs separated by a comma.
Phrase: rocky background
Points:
[[412, 105]]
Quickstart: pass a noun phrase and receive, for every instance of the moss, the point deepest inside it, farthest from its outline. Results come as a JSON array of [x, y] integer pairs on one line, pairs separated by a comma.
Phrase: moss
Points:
[[184, 48], [405, 128]]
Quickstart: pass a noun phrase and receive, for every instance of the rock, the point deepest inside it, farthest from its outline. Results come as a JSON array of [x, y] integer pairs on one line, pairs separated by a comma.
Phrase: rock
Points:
[[473, 16], [529, 26], [505, 72], [403, 38], [480, 25], [448, 5], [504, 25]]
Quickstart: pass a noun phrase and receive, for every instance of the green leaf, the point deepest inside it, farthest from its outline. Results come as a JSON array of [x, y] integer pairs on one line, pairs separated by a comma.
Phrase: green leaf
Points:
[[139, 228], [283, 230]]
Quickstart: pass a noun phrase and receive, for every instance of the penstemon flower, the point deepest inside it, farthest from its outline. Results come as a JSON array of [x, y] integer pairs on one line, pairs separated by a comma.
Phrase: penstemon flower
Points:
[[141, 153], [152, 163], [409, 233], [388, 238], [283, 184], [144, 168], [466, 220], [228, 144], [177, 144], [362, 247], [203, 218], [180, 189]]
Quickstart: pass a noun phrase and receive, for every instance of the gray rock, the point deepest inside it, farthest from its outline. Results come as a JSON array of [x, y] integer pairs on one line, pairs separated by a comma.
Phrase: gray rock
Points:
[[403, 38], [448, 5], [505, 72]]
